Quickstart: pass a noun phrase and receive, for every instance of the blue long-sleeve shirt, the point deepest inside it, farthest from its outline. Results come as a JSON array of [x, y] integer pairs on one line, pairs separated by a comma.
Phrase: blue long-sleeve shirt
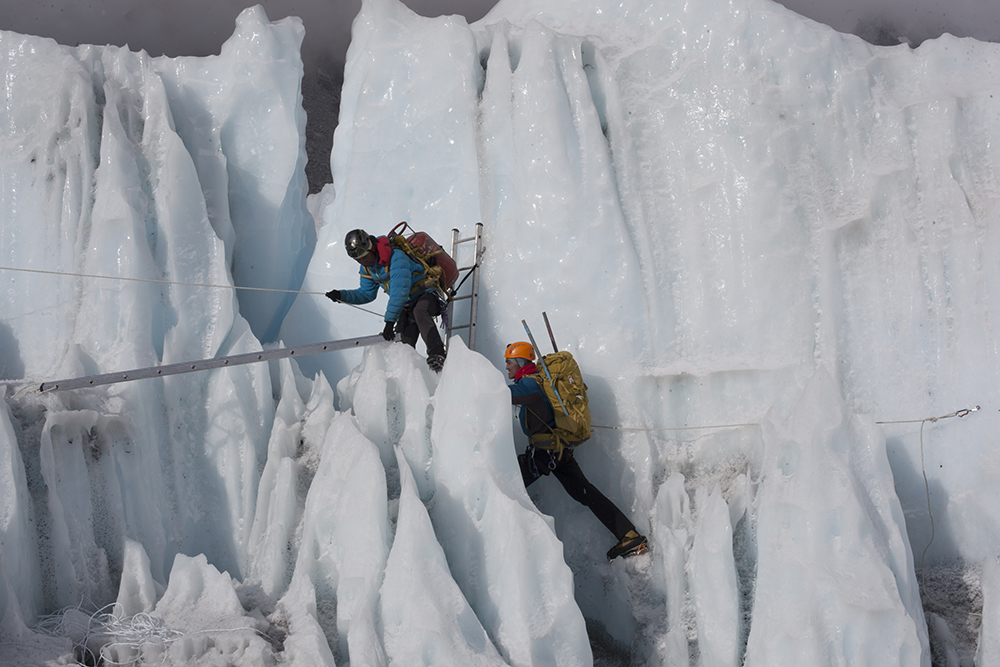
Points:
[[396, 279]]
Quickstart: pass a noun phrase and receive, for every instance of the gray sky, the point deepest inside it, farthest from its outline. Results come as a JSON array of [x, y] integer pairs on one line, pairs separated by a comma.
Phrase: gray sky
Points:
[[198, 27]]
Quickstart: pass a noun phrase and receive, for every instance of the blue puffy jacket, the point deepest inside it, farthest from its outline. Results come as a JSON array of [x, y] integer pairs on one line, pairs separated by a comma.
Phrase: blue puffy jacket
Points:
[[396, 279]]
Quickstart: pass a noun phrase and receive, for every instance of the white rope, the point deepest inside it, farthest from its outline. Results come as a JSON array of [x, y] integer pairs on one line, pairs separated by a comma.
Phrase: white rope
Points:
[[128, 633], [174, 282], [927, 489], [151, 280], [673, 428], [957, 413]]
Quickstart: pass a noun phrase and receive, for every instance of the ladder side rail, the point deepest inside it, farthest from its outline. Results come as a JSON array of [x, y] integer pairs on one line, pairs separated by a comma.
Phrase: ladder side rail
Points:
[[474, 307], [456, 240], [208, 364], [450, 308]]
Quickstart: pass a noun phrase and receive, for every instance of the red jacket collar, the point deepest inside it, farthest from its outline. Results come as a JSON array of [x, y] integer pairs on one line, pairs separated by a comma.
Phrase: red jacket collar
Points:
[[527, 369]]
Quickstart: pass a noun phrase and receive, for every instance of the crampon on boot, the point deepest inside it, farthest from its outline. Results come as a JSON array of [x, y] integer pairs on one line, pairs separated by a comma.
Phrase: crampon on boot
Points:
[[631, 545], [435, 362]]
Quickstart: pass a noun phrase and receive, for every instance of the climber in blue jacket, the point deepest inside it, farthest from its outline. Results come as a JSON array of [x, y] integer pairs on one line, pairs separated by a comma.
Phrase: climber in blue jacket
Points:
[[536, 417], [413, 302]]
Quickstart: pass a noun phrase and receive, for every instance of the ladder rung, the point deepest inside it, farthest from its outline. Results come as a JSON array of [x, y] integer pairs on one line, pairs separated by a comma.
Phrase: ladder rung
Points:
[[462, 326]]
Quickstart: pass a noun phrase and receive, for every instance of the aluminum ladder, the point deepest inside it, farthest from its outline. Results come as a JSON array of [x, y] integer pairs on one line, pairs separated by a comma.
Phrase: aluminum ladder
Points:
[[473, 296]]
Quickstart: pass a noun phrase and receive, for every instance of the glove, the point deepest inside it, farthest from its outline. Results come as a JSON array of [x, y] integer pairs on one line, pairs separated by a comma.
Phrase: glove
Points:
[[333, 295], [389, 332]]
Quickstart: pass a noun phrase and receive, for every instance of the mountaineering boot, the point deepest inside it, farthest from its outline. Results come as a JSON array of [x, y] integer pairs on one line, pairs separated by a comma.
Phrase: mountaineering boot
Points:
[[435, 362], [632, 544]]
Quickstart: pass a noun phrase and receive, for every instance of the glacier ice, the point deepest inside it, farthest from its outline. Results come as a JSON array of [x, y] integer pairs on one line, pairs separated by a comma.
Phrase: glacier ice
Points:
[[772, 247]]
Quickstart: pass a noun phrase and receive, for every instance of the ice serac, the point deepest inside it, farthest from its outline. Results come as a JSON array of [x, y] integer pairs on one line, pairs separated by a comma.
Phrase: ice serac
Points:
[[137, 592], [343, 547], [102, 164], [835, 576], [200, 597], [988, 652], [501, 550], [425, 618], [240, 115], [714, 584], [294, 450], [390, 394], [666, 642], [20, 575], [550, 191]]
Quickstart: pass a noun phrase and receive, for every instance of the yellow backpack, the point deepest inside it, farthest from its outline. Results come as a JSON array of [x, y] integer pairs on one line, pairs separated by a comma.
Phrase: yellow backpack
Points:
[[566, 389]]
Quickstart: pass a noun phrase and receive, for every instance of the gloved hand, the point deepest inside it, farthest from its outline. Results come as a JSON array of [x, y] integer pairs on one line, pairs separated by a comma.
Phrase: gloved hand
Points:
[[389, 332], [333, 295]]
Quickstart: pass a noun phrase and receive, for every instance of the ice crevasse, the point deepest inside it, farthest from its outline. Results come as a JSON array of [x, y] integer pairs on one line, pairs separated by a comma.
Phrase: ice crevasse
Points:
[[732, 215]]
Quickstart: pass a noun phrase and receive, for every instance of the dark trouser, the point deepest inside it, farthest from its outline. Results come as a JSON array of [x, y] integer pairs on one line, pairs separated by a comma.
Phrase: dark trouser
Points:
[[418, 318], [537, 462]]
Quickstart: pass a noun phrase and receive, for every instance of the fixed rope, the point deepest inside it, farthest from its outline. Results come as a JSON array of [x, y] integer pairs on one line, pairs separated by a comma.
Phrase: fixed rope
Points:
[[68, 274], [957, 413], [674, 428], [927, 489]]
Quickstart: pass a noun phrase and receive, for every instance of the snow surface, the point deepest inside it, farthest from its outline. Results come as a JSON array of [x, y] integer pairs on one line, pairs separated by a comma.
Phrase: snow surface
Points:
[[735, 218]]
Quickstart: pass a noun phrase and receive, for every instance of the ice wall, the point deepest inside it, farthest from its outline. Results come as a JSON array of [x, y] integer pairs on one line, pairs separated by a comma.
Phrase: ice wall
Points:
[[708, 214], [118, 165], [732, 216], [713, 202]]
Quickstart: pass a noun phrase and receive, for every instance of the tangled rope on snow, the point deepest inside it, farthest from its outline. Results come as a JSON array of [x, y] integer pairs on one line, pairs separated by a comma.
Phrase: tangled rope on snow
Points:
[[103, 636]]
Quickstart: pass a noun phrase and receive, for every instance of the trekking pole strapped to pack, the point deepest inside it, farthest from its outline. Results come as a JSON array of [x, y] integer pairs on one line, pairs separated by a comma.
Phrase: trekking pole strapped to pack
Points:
[[563, 386]]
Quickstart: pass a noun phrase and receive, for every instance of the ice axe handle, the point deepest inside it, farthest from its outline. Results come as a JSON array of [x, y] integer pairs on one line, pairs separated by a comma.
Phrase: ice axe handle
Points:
[[552, 339]]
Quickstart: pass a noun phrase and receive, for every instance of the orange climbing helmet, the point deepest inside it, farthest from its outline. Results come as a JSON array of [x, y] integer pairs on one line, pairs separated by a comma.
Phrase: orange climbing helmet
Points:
[[520, 350]]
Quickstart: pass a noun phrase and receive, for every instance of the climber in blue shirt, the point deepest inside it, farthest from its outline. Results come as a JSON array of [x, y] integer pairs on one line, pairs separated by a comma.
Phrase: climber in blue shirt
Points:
[[413, 302], [536, 417]]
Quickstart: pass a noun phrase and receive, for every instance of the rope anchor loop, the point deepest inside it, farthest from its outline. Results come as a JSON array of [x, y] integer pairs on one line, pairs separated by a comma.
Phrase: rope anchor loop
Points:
[[957, 413]]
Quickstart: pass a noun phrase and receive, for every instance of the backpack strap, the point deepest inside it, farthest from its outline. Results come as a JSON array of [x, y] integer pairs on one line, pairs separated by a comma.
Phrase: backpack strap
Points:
[[550, 440], [432, 274], [367, 273]]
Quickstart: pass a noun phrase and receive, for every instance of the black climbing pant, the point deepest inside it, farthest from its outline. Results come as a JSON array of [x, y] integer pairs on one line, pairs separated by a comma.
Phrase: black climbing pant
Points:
[[537, 462], [417, 318]]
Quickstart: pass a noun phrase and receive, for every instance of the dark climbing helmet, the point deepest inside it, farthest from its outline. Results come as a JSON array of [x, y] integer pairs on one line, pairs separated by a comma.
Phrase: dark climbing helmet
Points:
[[357, 243]]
